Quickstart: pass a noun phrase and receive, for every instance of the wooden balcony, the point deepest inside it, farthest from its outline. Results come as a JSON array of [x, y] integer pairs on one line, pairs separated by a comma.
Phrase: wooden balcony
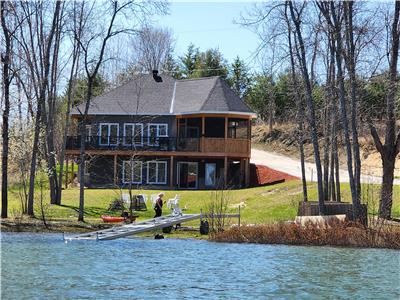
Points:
[[203, 146]]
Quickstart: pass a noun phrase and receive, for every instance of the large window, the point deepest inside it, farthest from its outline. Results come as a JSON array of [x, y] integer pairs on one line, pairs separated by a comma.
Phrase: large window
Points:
[[157, 172], [155, 131], [132, 171], [108, 133], [133, 134]]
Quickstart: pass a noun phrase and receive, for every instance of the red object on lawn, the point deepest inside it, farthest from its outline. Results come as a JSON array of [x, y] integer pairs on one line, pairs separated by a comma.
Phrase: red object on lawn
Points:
[[111, 219]]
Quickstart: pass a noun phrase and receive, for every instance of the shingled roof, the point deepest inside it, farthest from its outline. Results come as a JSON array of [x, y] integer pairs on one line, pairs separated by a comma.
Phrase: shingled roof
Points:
[[146, 96]]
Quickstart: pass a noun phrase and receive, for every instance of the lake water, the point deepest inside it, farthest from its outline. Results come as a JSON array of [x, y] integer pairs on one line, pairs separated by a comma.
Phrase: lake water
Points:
[[42, 266]]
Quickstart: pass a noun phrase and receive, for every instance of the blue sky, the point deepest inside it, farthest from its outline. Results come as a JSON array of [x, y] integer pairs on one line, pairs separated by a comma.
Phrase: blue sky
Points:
[[210, 25]]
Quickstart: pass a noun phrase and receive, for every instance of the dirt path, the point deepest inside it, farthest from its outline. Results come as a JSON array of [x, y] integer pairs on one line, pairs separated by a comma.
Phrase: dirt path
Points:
[[291, 166]]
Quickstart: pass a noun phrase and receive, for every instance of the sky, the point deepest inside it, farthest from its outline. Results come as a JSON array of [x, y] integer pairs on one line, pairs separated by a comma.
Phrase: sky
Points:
[[211, 25]]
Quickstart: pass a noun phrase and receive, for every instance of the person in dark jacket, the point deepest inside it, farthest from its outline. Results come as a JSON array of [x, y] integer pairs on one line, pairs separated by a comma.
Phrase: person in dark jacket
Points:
[[158, 206]]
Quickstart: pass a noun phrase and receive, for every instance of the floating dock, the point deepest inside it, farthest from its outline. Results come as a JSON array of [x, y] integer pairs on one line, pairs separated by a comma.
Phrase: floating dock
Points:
[[134, 228]]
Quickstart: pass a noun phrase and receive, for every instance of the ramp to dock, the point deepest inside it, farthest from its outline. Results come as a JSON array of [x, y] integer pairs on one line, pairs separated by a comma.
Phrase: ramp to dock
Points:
[[134, 228]]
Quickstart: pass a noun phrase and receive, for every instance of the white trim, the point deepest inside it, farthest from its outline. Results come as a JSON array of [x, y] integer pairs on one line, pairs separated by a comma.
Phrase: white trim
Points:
[[133, 125], [197, 174], [171, 109], [157, 162], [108, 133], [123, 171], [157, 132]]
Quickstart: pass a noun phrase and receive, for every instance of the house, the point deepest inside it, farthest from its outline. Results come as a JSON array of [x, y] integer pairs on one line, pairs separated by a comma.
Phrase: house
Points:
[[158, 132]]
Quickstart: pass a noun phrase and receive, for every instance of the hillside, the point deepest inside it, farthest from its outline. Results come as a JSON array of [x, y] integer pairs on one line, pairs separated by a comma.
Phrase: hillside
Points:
[[283, 140]]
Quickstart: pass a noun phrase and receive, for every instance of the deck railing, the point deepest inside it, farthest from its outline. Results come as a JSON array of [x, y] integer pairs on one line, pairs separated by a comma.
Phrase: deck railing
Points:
[[204, 144]]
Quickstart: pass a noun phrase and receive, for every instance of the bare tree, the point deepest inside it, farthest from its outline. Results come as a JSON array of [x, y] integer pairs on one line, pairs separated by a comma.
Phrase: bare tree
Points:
[[152, 46], [6, 82], [300, 107], [296, 15], [391, 146]]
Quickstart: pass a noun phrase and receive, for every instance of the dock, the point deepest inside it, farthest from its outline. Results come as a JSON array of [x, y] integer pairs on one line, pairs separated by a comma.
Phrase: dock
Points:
[[134, 228]]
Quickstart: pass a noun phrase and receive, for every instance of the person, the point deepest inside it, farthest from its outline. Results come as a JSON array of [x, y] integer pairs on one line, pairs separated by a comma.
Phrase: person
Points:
[[158, 206]]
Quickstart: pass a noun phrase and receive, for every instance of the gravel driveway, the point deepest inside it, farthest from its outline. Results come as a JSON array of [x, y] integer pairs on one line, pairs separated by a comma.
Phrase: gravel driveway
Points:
[[291, 166]]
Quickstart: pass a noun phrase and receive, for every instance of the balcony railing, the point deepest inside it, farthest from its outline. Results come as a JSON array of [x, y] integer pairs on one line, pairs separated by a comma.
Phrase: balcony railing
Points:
[[211, 145]]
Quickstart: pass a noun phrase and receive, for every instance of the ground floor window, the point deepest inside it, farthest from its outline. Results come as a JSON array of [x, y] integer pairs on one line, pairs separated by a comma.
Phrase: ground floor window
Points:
[[132, 171], [157, 172]]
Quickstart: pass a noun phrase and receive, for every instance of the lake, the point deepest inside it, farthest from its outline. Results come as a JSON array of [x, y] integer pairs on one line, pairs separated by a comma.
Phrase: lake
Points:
[[42, 266]]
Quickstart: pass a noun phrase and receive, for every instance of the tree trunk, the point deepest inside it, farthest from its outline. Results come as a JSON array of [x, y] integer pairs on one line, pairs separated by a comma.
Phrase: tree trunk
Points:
[[40, 107], [5, 59], [385, 205], [310, 107], [391, 148]]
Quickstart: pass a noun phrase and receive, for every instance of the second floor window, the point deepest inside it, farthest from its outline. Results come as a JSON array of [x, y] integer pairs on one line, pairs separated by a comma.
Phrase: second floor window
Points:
[[155, 132], [108, 133], [133, 134]]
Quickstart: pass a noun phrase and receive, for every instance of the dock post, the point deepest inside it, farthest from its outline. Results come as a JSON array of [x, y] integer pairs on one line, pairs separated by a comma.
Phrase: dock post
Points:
[[97, 236], [239, 217], [63, 236]]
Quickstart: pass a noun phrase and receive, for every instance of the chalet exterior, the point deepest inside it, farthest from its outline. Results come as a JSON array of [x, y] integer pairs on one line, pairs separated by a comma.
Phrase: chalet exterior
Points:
[[158, 132]]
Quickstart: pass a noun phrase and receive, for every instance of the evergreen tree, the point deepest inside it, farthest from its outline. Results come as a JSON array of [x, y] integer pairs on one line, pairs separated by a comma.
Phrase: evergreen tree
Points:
[[239, 78], [189, 61]]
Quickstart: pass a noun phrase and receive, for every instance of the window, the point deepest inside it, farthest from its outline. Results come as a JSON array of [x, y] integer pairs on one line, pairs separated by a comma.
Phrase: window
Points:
[[211, 169], [86, 167], [88, 133], [157, 172], [133, 134], [155, 131], [132, 171], [108, 133]]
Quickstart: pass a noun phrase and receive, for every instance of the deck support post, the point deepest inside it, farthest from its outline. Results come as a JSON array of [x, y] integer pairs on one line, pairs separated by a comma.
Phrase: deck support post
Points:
[[226, 134], [73, 169], [247, 172], [203, 132], [66, 173], [115, 169], [171, 172], [225, 171]]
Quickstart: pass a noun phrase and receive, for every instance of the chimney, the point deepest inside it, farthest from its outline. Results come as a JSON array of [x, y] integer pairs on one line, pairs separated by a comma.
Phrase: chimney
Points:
[[156, 77]]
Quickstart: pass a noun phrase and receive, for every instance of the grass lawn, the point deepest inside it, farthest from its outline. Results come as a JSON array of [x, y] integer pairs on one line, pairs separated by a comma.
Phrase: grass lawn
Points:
[[262, 204]]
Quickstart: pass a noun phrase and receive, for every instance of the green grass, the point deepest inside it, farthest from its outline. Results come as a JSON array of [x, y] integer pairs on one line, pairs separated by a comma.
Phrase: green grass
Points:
[[262, 204]]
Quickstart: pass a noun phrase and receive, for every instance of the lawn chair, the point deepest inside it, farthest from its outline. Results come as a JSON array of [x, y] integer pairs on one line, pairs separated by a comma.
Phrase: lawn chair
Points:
[[173, 205]]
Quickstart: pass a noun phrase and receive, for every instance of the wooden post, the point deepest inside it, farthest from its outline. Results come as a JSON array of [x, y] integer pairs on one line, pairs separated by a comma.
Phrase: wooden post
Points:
[[203, 131], [73, 170], [226, 134], [249, 137], [171, 173], [66, 173], [225, 171], [247, 172], [115, 169]]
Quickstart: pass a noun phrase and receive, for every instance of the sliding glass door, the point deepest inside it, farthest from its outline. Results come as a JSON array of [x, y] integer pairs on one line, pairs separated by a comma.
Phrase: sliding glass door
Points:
[[187, 175]]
